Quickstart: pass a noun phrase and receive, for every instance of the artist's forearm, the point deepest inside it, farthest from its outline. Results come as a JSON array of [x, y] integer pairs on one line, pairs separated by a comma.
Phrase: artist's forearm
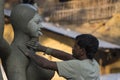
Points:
[[43, 62], [57, 53], [61, 55]]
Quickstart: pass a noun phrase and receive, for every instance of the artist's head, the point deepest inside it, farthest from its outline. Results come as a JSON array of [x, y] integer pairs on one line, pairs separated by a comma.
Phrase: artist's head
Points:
[[24, 18], [41, 3], [85, 45]]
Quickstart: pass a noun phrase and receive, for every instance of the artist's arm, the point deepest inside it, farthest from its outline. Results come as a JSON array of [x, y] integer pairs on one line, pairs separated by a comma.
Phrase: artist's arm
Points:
[[41, 61], [53, 52]]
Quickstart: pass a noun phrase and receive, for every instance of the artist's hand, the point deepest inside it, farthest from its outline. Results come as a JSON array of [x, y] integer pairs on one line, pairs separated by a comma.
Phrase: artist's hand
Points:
[[29, 53], [33, 44], [26, 51], [36, 46]]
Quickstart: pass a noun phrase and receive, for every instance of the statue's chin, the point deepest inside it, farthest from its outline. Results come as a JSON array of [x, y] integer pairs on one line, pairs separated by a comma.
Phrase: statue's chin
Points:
[[36, 36]]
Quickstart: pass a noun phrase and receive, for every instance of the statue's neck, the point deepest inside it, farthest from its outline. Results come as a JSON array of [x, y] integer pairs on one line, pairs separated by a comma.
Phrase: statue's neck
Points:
[[20, 38]]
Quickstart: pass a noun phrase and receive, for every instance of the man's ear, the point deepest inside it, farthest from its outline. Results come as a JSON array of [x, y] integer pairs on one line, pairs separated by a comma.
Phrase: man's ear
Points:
[[83, 51]]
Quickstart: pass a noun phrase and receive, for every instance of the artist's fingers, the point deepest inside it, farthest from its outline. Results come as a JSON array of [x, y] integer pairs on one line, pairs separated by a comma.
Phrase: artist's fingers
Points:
[[23, 50], [33, 47], [33, 40], [30, 43]]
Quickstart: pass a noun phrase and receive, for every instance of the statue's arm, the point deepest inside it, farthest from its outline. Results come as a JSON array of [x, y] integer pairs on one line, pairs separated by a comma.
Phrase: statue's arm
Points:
[[4, 49], [4, 46], [1, 18]]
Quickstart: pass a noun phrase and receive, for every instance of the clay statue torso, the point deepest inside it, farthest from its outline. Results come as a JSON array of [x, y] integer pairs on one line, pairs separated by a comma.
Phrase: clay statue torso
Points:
[[17, 66]]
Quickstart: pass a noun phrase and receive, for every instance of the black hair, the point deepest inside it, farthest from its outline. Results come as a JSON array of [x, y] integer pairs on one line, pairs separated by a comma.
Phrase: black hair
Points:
[[89, 43], [64, 0], [29, 1]]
